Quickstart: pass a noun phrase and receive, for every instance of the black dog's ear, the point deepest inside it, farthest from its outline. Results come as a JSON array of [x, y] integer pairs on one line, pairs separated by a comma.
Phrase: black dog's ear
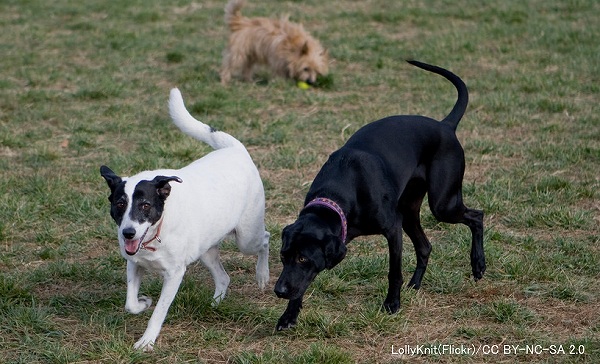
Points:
[[163, 188], [111, 178], [334, 250], [286, 237]]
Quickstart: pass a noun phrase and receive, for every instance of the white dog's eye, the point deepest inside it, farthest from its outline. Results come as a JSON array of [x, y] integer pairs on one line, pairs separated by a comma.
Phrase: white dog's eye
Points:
[[145, 206], [121, 205]]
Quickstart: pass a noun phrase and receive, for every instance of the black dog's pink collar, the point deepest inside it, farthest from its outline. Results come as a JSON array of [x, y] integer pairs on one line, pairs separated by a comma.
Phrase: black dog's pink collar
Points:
[[321, 201]]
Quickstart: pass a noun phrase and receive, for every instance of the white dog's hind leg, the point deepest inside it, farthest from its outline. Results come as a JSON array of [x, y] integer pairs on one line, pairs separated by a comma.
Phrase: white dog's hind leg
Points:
[[133, 303], [256, 242], [212, 261], [172, 281]]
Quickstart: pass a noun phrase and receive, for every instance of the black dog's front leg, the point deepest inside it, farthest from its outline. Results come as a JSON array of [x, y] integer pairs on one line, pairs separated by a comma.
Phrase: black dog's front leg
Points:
[[290, 316], [392, 301]]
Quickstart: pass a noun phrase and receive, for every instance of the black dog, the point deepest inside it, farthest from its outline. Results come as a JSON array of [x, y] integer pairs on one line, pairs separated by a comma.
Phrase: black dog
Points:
[[375, 184]]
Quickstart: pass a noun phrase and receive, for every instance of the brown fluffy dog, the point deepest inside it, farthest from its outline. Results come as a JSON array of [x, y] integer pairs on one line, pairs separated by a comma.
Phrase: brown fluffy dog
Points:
[[284, 47]]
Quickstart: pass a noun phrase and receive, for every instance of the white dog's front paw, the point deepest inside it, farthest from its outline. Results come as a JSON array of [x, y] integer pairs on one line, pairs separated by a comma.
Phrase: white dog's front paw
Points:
[[144, 344], [142, 304], [262, 277], [217, 298], [262, 265]]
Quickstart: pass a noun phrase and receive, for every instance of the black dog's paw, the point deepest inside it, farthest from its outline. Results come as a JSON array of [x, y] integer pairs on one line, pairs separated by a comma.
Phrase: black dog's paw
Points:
[[290, 315], [285, 323], [478, 275], [478, 270], [391, 307], [414, 284], [285, 327]]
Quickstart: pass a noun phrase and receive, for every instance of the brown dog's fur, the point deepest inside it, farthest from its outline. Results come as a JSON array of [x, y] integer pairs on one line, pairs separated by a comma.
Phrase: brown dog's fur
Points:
[[284, 47]]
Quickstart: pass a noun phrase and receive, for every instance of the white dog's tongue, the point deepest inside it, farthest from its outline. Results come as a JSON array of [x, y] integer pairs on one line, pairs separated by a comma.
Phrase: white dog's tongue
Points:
[[131, 246]]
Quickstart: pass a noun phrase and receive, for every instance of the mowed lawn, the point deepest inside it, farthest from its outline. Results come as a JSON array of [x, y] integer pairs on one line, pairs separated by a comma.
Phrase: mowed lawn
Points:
[[86, 83]]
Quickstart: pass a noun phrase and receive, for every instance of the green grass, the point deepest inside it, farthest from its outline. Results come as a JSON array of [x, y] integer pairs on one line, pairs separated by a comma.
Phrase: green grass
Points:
[[86, 83]]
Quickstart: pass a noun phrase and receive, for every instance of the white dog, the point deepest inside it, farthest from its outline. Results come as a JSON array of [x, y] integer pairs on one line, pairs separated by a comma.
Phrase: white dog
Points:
[[165, 226]]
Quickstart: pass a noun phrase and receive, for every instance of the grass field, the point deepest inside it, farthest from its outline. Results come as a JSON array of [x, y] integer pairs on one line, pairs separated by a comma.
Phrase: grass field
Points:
[[86, 83]]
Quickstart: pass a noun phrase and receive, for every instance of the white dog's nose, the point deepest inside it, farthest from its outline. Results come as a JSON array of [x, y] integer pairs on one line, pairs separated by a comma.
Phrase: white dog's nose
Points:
[[129, 233]]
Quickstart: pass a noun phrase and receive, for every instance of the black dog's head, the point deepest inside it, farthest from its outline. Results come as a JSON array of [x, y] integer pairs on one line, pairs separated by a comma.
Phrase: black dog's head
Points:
[[309, 246]]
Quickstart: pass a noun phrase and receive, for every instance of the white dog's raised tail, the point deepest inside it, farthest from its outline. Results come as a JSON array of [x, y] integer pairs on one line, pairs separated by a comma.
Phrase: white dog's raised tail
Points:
[[197, 129]]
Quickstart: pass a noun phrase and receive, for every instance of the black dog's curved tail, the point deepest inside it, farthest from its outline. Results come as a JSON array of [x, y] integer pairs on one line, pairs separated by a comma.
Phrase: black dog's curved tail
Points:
[[460, 106]]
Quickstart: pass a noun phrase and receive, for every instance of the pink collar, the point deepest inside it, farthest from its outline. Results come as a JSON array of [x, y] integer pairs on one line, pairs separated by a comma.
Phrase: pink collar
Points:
[[156, 237], [322, 201]]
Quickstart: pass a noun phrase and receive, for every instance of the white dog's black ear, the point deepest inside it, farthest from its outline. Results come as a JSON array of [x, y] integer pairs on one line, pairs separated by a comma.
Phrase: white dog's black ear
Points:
[[163, 188], [111, 178]]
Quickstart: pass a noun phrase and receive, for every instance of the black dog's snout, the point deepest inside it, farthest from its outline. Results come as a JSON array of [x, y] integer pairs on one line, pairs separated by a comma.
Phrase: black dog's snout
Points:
[[281, 291], [129, 233]]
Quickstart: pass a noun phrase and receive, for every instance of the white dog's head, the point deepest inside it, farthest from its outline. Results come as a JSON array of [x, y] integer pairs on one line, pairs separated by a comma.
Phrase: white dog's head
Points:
[[136, 206]]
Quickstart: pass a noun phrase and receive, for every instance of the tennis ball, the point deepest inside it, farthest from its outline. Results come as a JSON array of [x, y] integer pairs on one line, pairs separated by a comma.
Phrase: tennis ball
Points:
[[303, 85]]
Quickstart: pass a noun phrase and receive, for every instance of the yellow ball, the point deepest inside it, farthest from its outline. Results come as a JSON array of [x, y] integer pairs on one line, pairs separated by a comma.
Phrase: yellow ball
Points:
[[303, 85]]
